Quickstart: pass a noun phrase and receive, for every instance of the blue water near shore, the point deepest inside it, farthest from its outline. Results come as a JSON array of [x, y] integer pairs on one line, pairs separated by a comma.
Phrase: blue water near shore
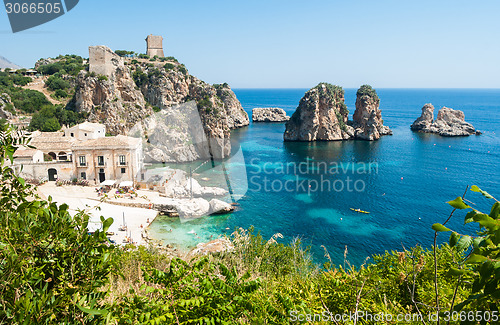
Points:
[[403, 180]]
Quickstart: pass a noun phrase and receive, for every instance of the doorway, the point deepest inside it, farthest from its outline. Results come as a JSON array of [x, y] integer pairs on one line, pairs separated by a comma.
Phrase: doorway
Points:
[[52, 174], [102, 175]]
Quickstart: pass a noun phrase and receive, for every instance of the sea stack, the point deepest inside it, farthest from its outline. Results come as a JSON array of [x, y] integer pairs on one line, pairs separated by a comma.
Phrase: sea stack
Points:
[[368, 123], [320, 116], [323, 116], [449, 122]]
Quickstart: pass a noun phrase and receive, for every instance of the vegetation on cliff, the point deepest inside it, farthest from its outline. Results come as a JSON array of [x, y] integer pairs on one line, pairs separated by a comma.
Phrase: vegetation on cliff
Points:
[[368, 91], [53, 271]]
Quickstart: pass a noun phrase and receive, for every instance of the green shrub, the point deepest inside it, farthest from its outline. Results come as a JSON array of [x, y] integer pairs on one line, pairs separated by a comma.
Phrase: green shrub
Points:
[[102, 78], [55, 82], [169, 66], [52, 270], [367, 90]]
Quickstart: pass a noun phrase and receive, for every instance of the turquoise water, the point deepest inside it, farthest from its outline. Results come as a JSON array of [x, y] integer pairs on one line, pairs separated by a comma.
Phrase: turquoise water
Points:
[[403, 180]]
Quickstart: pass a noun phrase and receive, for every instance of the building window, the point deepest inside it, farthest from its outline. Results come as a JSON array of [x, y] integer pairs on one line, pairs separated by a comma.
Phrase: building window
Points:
[[123, 170], [142, 176], [83, 175], [85, 134], [100, 160], [122, 160], [82, 160], [72, 134]]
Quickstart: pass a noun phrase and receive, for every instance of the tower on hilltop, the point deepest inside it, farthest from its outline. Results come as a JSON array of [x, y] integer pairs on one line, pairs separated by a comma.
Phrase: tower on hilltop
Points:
[[154, 45]]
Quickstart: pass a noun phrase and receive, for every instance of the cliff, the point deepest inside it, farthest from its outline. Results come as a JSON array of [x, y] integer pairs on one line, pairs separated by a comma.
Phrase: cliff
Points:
[[320, 116], [449, 122], [148, 97], [323, 116], [368, 123]]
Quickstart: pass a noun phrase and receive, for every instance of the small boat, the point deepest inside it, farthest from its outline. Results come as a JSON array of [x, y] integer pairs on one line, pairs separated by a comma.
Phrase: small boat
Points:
[[359, 210], [191, 232]]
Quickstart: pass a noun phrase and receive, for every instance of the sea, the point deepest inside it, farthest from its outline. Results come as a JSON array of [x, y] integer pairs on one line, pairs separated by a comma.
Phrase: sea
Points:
[[308, 191]]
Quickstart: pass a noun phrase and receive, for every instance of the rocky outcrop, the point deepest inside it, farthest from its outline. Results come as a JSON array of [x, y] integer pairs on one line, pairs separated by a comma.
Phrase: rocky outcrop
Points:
[[323, 116], [5, 101], [449, 122], [220, 207], [424, 122], [111, 99], [367, 118], [124, 100], [218, 245], [269, 114], [320, 116]]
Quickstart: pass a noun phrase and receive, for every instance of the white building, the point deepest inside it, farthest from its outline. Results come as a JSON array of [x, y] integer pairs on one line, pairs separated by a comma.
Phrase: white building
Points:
[[86, 131]]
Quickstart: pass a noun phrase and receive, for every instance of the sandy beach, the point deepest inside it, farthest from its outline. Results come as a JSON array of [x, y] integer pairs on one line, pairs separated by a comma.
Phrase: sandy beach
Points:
[[81, 197]]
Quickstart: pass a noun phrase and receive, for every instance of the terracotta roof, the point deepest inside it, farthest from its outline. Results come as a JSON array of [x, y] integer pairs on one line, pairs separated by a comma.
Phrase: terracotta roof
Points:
[[119, 141], [22, 153], [51, 141]]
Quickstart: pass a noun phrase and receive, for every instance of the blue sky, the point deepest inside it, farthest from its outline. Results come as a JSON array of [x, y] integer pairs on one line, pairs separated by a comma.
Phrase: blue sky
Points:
[[288, 44]]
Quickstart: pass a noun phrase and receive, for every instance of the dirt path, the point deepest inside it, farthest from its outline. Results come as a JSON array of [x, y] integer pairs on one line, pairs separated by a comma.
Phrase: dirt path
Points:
[[39, 85]]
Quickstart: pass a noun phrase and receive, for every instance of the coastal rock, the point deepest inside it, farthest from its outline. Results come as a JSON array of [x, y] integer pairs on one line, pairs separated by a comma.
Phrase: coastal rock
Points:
[[425, 120], [110, 99], [367, 118], [323, 116], [218, 245], [449, 122], [269, 114], [320, 116], [220, 207], [192, 208], [122, 94]]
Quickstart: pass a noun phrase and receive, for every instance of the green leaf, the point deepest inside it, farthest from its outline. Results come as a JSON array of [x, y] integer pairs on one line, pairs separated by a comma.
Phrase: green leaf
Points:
[[464, 243], [469, 217], [106, 224], [474, 258], [458, 203], [485, 221], [495, 210], [92, 311], [456, 272], [474, 188], [439, 227], [454, 237]]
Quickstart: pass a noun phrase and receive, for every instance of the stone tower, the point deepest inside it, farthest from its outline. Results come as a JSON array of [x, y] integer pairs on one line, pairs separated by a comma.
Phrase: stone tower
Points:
[[155, 46]]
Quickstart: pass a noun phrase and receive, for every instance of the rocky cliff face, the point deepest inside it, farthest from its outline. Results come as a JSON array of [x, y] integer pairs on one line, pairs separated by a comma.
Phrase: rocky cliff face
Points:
[[112, 100], [368, 123], [269, 114], [323, 116], [125, 102], [320, 116], [4, 101], [449, 122]]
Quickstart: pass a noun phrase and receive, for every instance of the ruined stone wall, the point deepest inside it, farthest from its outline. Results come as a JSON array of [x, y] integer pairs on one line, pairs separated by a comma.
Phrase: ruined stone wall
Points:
[[103, 61], [154, 45]]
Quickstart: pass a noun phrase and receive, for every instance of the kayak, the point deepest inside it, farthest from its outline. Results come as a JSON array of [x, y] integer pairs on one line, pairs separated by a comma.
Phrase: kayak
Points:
[[359, 210]]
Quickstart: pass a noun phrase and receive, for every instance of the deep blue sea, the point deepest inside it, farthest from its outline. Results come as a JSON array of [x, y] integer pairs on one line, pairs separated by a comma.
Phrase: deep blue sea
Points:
[[403, 180]]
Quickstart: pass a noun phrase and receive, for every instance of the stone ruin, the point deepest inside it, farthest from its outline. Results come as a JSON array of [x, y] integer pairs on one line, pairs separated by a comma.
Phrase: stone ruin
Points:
[[154, 46], [103, 61]]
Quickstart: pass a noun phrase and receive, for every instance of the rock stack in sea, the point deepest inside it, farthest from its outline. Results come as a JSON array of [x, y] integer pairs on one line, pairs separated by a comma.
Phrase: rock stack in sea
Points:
[[269, 114], [322, 115], [449, 122], [368, 123]]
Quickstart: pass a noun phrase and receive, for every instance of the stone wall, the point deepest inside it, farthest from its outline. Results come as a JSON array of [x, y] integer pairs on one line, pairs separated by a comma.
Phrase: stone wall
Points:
[[103, 61], [154, 45]]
